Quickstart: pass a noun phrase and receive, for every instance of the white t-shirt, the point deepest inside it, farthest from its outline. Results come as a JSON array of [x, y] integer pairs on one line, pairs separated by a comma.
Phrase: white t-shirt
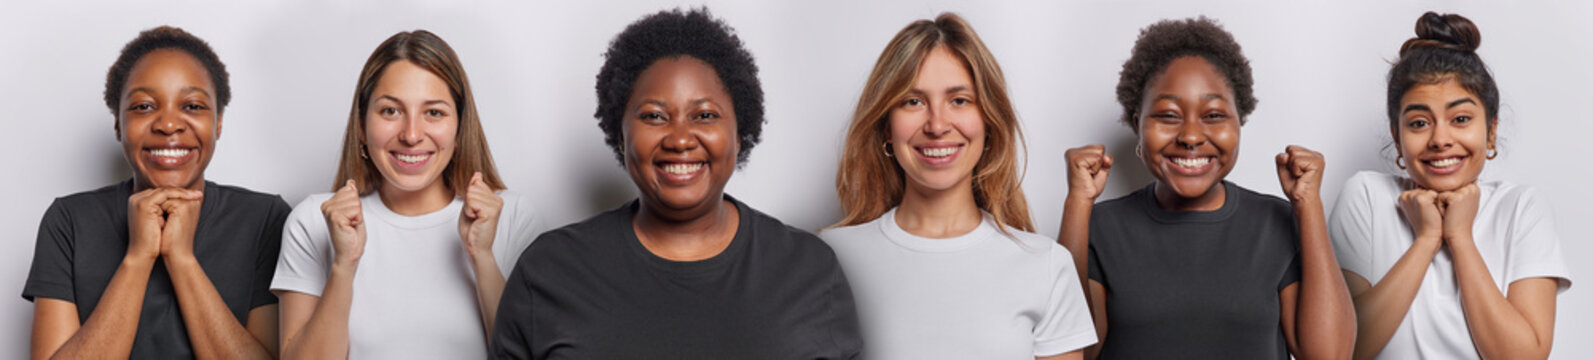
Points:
[[982, 295], [1514, 231], [414, 292]]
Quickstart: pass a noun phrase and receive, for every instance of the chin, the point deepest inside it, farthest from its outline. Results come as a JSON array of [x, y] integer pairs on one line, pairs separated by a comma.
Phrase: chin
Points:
[[409, 183], [1193, 187]]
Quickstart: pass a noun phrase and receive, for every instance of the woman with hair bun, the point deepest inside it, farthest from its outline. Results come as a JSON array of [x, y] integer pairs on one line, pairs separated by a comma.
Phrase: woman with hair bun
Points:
[[1440, 264]]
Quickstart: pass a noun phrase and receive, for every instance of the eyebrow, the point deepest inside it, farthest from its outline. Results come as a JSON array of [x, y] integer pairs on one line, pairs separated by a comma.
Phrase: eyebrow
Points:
[[152, 90], [1175, 98], [1452, 104]]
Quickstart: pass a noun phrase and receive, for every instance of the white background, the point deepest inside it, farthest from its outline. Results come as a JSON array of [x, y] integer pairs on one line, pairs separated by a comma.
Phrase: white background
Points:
[[1319, 70]]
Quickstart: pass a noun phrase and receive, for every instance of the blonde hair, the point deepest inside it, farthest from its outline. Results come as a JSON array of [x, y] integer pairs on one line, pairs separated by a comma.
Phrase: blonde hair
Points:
[[869, 183], [430, 52]]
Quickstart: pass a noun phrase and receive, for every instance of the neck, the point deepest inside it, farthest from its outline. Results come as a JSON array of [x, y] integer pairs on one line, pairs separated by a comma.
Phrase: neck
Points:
[[943, 213], [686, 238], [421, 201], [1169, 199]]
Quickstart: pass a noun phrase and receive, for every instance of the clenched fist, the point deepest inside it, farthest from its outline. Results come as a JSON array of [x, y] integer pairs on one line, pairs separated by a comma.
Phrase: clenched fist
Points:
[[1300, 173], [478, 221], [345, 220], [146, 220], [1088, 167], [1459, 209]]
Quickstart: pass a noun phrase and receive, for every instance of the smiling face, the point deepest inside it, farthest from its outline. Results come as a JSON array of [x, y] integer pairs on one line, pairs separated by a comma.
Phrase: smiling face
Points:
[[937, 131], [1443, 134], [1189, 134], [410, 126], [680, 137], [168, 122]]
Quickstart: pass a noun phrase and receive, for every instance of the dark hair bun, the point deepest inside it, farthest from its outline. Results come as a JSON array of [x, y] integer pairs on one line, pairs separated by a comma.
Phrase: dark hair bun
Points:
[[1446, 31]]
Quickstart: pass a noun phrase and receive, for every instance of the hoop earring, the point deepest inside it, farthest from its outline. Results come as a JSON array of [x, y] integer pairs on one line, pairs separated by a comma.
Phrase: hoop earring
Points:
[[1139, 151], [1400, 161], [887, 149], [363, 150], [1493, 153]]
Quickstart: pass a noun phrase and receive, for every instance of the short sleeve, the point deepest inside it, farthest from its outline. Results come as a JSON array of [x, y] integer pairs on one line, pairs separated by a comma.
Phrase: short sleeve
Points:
[[511, 331], [1535, 243], [270, 248], [306, 250], [1350, 226], [845, 331], [1066, 325], [1096, 272], [51, 273], [522, 227]]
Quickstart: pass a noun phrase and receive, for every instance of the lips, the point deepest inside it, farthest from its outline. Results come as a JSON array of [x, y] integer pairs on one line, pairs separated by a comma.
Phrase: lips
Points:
[[1444, 165], [169, 157], [410, 160], [938, 154], [1192, 165], [680, 172]]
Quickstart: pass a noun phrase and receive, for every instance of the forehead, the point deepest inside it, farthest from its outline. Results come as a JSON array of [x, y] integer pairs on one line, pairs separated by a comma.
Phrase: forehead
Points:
[[409, 82], [1441, 91], [940, 69], [1189, 76], [678, 78], [168, 69]]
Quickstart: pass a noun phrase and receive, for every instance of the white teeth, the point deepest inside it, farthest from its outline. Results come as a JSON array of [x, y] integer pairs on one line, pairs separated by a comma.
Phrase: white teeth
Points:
[[169, 152], [939, 152], [411, 158], [1447, 162], [682, 169], [1191, 162]]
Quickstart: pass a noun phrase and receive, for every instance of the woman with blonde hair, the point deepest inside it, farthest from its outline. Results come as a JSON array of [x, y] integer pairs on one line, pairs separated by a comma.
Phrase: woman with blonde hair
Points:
[[936, 234], [417, 179]]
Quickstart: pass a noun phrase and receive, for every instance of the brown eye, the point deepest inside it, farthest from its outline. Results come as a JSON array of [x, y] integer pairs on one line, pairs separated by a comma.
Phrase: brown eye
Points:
[[1417, 124], [388, 111], [911, 102]]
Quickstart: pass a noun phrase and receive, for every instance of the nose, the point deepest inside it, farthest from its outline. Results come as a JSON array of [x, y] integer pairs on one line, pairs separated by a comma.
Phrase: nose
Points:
[[411, 134], [170, 124], [680, 138], [1442, 137], [1191, 134], [938, 125]]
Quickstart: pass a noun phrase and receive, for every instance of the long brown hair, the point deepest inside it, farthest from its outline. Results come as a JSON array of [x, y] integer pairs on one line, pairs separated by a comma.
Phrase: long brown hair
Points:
[[429, 52], [869, 183]]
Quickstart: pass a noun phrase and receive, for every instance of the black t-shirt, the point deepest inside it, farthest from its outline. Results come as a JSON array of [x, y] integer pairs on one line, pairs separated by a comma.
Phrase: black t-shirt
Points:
[[590, 290], [83, 239], [1194, 284]]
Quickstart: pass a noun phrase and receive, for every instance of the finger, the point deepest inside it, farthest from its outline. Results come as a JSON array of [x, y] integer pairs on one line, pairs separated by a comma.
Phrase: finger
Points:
[[1107, 161]]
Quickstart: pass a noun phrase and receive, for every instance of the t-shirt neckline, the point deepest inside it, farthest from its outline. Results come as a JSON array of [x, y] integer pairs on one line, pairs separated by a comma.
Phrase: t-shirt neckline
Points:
[[373, 204], [895, 233], [738, 242], [1230, 205]]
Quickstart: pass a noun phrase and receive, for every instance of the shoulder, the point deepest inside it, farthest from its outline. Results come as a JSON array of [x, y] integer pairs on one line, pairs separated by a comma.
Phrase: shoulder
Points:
[[1521, 200], [1266, 203], [239, 196], [109, 195], [840, 236], [517, 205], [776, 236], [580, 236], [1127, 201]]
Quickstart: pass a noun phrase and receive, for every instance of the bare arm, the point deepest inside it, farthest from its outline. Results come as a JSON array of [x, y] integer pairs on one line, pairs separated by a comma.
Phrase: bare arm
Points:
[[1518, 326], [317, 327], [478, 226], [1071, 355], [109, 331], [1323, 317], [1097, 301], [212, 329]]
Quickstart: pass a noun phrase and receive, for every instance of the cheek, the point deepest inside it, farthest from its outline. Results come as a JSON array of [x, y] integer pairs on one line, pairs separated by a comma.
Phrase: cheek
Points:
[[971, 126], [1226, 139], [902, 125], [444, 134]]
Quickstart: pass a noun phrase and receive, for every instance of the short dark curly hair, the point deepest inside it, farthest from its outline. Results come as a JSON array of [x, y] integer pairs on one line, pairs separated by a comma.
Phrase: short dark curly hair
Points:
[[160, 38], [1161, 43], [672, 33]]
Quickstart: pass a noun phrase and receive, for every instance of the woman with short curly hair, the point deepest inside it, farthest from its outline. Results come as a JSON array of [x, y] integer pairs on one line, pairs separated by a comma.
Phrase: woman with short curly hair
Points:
[[684, 271], [1193, 266]]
